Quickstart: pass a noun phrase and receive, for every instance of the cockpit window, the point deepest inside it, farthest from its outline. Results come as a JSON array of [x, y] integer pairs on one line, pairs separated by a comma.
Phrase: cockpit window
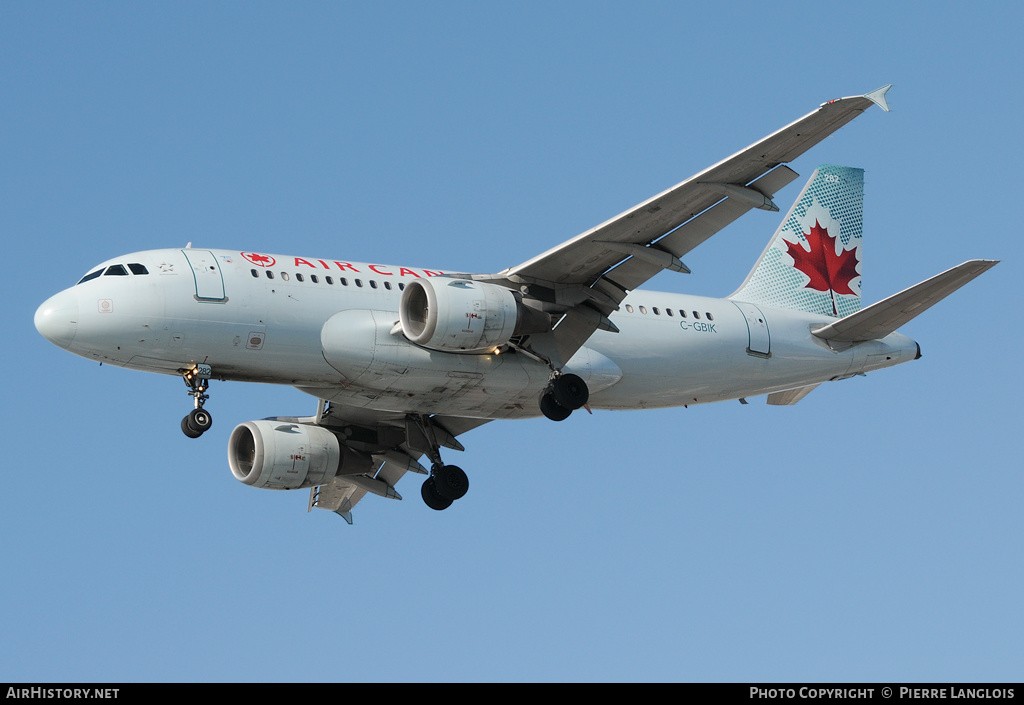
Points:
[[116, 270], [90, 275], [138, 268]]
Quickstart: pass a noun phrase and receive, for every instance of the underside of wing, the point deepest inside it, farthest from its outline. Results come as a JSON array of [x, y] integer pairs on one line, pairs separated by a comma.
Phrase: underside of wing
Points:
[[391, 441]]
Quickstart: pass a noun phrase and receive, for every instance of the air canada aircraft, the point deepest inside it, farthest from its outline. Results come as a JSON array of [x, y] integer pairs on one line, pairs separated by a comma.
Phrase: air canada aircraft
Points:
[[404, 360]]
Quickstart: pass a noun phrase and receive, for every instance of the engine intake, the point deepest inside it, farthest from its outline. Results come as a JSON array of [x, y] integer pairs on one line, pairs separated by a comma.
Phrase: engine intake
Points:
[[459, 315], [282, 455]]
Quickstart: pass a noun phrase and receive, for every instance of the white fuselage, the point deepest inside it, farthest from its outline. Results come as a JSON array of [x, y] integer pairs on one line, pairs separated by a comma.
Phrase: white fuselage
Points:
[[325, 326]]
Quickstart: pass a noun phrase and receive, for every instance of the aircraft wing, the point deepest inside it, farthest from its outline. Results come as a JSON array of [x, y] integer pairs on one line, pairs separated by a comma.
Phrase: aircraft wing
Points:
[[390, 442], [586, 277]]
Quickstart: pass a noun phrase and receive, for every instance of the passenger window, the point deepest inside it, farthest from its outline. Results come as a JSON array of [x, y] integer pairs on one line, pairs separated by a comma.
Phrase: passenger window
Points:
[[298, 276], [116, 270], [629, 308], [643, 309], [255, 274], [313, 278], [359, 282], [344, 281], [696, 315], [656, 311], [138, 268], [90, 275], [284, 276], [710, 317], [668, 311], [373, 284], [682, 313], [270, 275], [329, 280], [387, 285], [401, 286]]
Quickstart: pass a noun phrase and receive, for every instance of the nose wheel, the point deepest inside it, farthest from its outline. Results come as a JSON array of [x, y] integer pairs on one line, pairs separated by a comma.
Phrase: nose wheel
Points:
[[199, 420], [196, 423]]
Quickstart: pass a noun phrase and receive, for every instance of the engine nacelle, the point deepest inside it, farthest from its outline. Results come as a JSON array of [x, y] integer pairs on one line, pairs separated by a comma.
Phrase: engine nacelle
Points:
[[283, 455], [459, 315]]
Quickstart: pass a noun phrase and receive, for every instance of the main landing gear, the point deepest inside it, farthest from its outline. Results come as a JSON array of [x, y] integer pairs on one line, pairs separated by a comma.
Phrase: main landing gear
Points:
[[446, 483], [199, 420], [564, 394]]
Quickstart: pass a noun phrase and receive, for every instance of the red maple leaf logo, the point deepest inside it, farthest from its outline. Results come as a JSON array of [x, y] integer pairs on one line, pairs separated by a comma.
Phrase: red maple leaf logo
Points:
[[826, 270], [258, 259]]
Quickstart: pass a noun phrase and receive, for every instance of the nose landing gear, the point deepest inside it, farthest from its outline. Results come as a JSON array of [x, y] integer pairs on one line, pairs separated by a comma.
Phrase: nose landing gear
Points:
[[199, 420]]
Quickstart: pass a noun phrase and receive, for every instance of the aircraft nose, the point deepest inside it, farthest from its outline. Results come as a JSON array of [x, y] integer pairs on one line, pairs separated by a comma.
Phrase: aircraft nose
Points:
[[57, 319]]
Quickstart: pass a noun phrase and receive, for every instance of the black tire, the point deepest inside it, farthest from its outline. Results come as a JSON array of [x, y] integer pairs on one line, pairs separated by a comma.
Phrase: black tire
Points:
[[187, 430], [199, 420], [552, 409], [570, 391], [431, 497], [451, 482]]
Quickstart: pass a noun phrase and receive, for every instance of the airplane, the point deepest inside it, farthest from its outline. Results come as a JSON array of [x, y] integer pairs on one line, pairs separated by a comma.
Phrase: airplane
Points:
[[404, 360]]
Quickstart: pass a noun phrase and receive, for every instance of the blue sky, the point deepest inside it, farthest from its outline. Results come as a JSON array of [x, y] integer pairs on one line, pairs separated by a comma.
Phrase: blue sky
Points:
[[871, 532]]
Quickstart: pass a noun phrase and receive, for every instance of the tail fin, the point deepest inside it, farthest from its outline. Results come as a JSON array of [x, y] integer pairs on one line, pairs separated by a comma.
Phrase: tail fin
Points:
[[813, 262]]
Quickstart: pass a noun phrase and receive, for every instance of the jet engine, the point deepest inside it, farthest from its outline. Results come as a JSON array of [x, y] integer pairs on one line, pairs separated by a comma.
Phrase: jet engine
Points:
[[459, 315], [283, 455]]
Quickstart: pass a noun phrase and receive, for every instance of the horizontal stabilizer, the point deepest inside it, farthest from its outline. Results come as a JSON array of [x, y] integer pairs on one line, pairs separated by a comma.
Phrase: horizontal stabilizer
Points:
[[881, 319], [790, 396]]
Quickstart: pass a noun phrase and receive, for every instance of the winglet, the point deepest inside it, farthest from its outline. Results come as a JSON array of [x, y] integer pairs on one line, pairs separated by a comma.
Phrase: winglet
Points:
[[878, 97], [345, 511]]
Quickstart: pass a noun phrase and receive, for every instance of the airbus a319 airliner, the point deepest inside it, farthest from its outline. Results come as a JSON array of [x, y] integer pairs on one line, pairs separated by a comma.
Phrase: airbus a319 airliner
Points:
[[403, 360]]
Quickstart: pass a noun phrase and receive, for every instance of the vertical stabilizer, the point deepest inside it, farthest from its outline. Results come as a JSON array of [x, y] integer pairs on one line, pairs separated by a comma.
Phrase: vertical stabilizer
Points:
[[813, 263]]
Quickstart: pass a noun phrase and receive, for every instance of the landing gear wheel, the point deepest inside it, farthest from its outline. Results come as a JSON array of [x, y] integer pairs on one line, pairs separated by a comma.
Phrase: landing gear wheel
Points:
[[199, 420], [446, 483], [432, 498], [552, 409], [197, 379], [187, 430], [570, 391], [450, 481]]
